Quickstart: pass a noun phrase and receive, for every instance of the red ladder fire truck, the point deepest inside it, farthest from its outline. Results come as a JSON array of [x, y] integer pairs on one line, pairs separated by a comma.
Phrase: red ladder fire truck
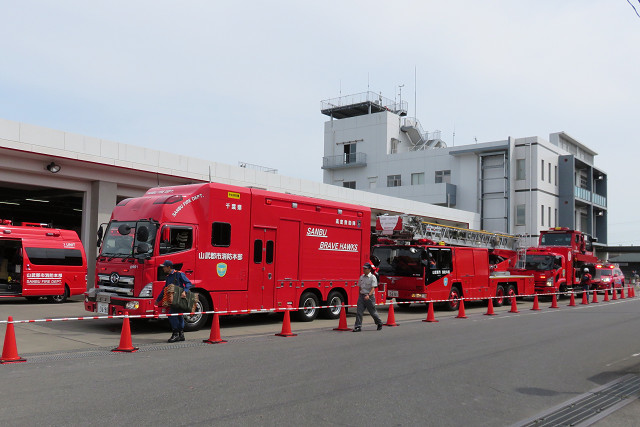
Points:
[[242, 248], [413, 267]]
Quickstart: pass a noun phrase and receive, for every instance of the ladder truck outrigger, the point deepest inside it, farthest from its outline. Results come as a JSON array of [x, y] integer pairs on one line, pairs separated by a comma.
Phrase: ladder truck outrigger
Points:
[[420, 261]]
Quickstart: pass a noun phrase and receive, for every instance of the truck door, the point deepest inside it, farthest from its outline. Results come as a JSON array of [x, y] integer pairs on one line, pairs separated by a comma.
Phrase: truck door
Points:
[[264, 251], [176, 246]]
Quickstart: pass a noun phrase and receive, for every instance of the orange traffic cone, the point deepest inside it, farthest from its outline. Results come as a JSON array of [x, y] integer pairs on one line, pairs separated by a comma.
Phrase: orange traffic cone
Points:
[[342, 324], [632, 291], [595, 296], [10, 350], [585, 299], [622, 292], [514, 306], [286, 325], [391, 318], [430, 315], [606, 295], [572, 300], [125, 339], [214, 336], [614, 292], [535, 303], [490, 308], [461, 313], [554, 301]]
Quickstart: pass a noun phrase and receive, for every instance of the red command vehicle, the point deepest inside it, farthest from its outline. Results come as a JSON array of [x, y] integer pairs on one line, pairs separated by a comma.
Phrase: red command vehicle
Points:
[[557, 263], [607, 276], [424, 272], [242, 248], [39, 261]]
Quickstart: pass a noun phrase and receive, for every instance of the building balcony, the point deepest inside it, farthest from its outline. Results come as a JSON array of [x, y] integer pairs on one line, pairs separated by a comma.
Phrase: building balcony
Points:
[[587, 196], [341, 161]]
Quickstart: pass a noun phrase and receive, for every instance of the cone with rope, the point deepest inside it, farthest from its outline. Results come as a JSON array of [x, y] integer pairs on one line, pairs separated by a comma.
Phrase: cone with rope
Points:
[[10, 349], [606, 295], [461, 313], [595, 296], [572, 300], [342, 324], [585, 299], [554, 301], [286, 325], [214, 336], [430, 315], [125, 339], [391, 317], [622, 292], [614, 292], [535, 303], [514, 305], [490, 311]]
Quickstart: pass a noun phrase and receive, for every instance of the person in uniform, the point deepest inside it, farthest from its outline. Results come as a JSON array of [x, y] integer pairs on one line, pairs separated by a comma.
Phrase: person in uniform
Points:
[[366, 299]]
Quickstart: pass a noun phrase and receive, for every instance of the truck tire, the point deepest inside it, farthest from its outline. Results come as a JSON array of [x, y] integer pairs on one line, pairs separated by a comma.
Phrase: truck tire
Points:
[[499, 299], [509, 292], [335, 298], [454, 299], [309, 311], [197, 321], [59, 299]]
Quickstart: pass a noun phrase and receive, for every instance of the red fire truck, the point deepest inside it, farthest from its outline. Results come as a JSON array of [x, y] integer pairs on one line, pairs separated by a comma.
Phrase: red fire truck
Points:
[[242, 248], [559, 260], [37, 260], [607, 276], [424, 272]]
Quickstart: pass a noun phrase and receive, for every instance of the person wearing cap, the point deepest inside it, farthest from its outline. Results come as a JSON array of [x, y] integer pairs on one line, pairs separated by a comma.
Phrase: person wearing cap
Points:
[[366, 299], [175, 278], [585, 281]]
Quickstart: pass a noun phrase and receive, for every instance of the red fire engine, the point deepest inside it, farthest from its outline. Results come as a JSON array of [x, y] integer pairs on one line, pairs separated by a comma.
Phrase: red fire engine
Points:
[[423, 271], [559, 260], [242, 248], [37, 260]]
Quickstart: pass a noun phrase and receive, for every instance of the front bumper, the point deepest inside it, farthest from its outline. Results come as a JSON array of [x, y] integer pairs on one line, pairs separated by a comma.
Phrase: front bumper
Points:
[[108, 303]]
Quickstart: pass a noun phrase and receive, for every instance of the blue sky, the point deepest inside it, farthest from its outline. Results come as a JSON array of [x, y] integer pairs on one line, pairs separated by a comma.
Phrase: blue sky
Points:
[[243, 81]]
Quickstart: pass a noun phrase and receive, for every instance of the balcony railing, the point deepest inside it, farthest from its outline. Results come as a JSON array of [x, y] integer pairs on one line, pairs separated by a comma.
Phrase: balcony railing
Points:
[[344, 161], [588, 196]]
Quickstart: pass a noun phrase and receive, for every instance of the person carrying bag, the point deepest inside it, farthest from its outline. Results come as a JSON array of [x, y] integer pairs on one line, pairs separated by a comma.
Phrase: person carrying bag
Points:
[[177, 297]]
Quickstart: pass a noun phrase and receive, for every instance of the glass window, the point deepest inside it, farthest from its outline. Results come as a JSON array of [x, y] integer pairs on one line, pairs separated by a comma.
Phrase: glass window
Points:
[[221, 234], [542, 170], [349, 184], [443, 176], [349, 153], [520, 214], [556, 175], [399, 261], [269, 255], [394, 181], [542, 215], [180, 239], [549, 177], [417, 178], [520, 170], [257, 251], [549, 217], [51, 256]]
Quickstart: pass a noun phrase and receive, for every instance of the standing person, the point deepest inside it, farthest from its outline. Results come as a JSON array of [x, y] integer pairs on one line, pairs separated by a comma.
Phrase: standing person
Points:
[[175, 278], [366, 299], [586, 280]]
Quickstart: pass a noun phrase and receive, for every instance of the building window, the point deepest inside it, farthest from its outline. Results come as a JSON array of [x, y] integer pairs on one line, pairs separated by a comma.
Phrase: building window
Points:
[[417, 178], [393, 149], [542, 215], [349, 184], [393, 181], [349, 153], [542, 170], [549, 173], [520, 170], [443, 176], [555, 223], [556, 175], [549, 217], [520, 214]]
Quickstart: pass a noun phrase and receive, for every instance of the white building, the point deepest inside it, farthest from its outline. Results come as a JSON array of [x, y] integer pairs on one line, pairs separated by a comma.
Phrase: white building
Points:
[[517, 186]]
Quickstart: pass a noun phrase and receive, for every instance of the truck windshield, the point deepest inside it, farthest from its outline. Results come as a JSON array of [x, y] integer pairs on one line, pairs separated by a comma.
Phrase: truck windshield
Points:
[[600, 272], [539, 262], [128, 238], [556, 239], [399, 261]]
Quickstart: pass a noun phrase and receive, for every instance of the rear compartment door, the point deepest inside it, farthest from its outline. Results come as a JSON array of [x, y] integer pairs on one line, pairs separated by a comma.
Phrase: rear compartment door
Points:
[[287, 262], [264, 260]]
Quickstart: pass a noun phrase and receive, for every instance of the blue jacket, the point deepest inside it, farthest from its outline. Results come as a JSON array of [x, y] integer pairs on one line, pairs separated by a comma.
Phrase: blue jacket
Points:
[[176, 278]]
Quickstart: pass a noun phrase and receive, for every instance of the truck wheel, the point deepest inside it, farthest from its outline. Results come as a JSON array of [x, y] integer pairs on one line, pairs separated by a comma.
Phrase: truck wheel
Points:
[[309, 303], [454, 299], [499, 299], [336, 300], [509, 292], [59, 299], [197, 321]]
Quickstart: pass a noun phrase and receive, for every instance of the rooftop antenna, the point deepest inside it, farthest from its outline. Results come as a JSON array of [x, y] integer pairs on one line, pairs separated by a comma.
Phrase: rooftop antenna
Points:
[[454, 134], [367, 81], [340, 87], [400, 87]]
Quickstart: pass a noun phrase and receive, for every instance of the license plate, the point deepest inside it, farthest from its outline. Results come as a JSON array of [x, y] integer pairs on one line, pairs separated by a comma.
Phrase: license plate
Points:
[[392, 294], [103, 308]]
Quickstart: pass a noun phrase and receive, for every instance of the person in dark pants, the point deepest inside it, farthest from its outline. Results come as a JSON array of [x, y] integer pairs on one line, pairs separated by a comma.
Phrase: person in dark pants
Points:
[[175, 278], [586, 280], [366, 299]]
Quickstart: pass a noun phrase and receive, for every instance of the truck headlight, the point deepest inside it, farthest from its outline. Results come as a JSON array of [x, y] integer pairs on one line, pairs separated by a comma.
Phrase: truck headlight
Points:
[[147, 291], [550, 281], [606, 279], [132, 305]]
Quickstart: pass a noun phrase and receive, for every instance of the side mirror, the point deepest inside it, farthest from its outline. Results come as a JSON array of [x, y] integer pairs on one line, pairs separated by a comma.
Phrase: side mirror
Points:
[[124, 229], [100, 234], [142, 234], [142, 249], [375, 260]]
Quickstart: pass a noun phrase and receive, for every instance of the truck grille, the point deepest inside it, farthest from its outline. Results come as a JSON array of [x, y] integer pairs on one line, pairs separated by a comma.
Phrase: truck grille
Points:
[[122, 285]]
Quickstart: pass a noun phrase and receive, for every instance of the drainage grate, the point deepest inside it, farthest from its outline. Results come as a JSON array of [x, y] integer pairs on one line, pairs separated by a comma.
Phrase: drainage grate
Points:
[[590, 407]]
